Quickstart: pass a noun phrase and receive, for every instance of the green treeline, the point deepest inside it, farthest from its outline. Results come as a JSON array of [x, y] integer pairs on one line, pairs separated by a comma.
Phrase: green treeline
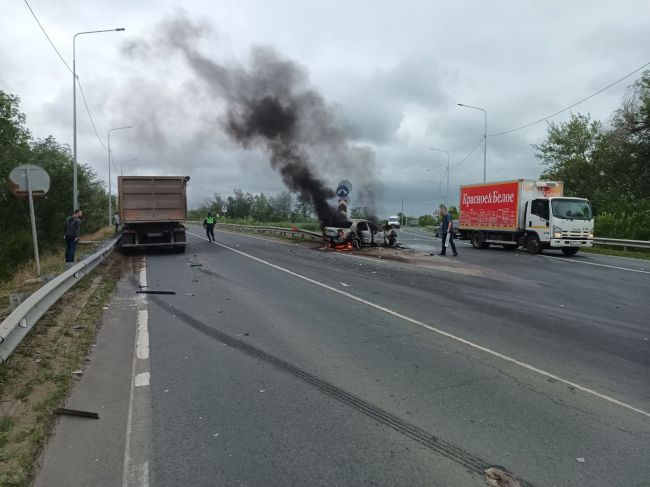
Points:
[[17, 146]]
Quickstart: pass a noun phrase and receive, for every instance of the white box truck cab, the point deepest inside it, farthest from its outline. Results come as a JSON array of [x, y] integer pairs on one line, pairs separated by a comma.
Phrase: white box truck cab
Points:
[[530, 214]]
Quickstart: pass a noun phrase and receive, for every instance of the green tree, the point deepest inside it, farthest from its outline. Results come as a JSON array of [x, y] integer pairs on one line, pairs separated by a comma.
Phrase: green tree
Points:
[[17, 147], [281, 206], [426, 221], [609, 165]]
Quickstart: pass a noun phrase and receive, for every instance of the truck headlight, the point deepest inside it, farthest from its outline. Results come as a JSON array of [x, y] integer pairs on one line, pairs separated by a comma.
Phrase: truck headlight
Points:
[[557, 232], [591, 236]]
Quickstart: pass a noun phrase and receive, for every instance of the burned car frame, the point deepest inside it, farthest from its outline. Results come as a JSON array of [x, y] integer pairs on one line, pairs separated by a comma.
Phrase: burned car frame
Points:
[[354, 234]]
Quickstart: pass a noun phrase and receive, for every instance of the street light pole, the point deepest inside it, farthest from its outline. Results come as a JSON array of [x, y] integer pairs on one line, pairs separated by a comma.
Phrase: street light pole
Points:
[[484, 138], [110, 195], [446, 152], [75, 192]]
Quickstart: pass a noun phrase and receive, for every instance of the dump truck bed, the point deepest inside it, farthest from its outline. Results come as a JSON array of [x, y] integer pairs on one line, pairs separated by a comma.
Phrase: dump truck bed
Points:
[[145, 199]]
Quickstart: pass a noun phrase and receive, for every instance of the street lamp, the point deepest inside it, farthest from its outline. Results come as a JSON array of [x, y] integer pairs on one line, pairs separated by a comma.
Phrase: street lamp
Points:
[[75, 193], [110, 212], [124, 162], [484, 137], [446, 152]]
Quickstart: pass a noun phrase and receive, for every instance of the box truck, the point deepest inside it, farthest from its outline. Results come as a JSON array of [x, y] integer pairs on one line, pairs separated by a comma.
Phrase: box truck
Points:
[[152, 210], [531, 214]]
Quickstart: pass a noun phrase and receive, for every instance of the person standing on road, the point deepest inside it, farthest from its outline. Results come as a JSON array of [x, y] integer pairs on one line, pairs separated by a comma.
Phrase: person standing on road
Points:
[[71, 231], [208, 224], [116, 222], [447, 230]]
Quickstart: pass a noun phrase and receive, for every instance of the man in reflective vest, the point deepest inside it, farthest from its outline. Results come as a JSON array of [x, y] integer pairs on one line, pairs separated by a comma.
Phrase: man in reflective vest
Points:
[[208, 224]]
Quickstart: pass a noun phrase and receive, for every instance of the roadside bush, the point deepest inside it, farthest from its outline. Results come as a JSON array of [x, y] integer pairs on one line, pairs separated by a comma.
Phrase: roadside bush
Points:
[[625, 225]]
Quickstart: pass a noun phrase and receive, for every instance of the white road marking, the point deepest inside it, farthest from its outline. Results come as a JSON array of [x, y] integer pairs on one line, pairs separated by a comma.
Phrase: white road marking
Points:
[[142, 379], [469, 343], [435, 238], [565, 259], [344, 284], [135, 473], [142, 341], [573, 261], [257, 238]]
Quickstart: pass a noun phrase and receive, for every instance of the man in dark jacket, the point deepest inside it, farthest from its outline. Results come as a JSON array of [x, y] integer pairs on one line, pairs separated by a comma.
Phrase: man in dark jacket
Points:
[[71, 231], [447, 230]]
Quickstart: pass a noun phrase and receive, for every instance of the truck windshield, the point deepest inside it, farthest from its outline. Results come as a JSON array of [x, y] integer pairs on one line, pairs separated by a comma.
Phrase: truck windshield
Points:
[[571, 209]]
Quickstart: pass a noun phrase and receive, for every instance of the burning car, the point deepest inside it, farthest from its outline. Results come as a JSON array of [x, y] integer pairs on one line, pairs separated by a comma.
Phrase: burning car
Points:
[[354, 234]]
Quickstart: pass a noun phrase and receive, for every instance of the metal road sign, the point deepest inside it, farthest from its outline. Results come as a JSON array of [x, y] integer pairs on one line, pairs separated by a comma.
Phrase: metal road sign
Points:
[[19, 184]]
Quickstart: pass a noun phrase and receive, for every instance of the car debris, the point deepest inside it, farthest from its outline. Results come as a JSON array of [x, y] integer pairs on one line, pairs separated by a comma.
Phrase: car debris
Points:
[[356, 233], [76, 412]]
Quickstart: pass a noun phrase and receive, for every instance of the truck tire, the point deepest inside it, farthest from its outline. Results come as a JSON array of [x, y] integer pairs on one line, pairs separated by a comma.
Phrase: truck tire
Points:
[[533, 245], [478, 241], [570, 250]]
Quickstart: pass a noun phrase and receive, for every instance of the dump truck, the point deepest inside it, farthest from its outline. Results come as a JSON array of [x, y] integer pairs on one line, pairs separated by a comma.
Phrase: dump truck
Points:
[[531, 214], [152, 210]]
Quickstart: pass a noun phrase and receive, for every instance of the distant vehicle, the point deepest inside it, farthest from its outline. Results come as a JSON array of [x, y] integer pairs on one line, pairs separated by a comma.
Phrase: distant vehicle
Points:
[[436, 229], [360, 233], [393, 221], [152, 210], [531, 214]]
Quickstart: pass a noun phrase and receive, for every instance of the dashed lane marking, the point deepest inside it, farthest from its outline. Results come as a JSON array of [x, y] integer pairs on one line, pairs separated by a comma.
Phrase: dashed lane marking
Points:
[[464, 341]]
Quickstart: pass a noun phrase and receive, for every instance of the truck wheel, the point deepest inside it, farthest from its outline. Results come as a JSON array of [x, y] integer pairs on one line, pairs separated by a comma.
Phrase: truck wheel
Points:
[[533, 245], [570, 250], [478, 241]]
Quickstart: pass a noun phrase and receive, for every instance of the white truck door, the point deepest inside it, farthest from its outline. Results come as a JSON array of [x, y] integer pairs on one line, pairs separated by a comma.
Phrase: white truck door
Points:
[[538, 219]]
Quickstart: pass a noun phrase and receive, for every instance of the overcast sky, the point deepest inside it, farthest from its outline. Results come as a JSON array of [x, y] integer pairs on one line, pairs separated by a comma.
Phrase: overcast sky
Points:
[[393, 72]]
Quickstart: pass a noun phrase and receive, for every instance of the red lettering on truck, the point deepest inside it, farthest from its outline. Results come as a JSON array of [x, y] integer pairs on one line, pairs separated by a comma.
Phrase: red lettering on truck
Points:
[[489, 206]]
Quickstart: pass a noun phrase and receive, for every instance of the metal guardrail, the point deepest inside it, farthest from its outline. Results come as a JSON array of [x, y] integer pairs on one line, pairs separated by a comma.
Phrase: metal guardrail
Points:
[[283, 231], [637, 244], [18, 324]]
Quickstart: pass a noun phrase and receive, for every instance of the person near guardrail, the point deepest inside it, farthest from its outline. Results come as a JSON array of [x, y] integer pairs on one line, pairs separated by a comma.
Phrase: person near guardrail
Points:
[[447, 231], [208, 224], [116, 222], [72, 231]]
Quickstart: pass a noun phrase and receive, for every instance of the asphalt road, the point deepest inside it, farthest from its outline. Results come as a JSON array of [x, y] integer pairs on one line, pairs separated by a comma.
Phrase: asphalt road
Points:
[[276, 364]]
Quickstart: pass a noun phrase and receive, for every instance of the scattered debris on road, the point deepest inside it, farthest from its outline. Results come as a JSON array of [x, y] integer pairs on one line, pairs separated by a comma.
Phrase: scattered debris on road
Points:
[[580, 460], [500, 477], [155, 292], [76, 412]]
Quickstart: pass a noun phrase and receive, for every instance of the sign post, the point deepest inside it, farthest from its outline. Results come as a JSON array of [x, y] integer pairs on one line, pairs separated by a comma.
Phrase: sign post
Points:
[[343, 192], [37, 260], [30, 180]]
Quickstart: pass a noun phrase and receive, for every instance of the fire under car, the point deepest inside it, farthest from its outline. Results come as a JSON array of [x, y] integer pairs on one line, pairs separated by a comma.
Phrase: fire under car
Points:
[[354, 234]]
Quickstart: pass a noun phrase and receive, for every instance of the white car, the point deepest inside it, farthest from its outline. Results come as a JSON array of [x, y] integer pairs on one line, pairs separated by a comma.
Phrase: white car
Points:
[[393, 221]]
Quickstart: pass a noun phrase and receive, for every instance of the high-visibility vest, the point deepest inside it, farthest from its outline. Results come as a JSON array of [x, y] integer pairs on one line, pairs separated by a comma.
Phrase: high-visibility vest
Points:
[[209, 220]]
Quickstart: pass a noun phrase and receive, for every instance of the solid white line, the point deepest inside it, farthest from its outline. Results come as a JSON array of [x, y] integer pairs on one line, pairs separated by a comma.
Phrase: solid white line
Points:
[[439, 331], [142, 342], [553, 257], [142, 379], [136, 475], [573, 261]]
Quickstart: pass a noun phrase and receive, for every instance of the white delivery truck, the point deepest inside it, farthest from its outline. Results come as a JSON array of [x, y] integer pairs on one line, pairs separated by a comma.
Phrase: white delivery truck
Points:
[[530, 214]]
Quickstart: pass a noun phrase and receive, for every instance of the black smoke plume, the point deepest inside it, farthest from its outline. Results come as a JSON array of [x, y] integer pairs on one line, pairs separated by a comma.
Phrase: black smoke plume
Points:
[[269, 104]]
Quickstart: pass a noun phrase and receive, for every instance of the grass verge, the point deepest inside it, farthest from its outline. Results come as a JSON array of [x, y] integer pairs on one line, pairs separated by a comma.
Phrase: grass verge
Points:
[[635, 254], [24, 279], [36, 378]]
